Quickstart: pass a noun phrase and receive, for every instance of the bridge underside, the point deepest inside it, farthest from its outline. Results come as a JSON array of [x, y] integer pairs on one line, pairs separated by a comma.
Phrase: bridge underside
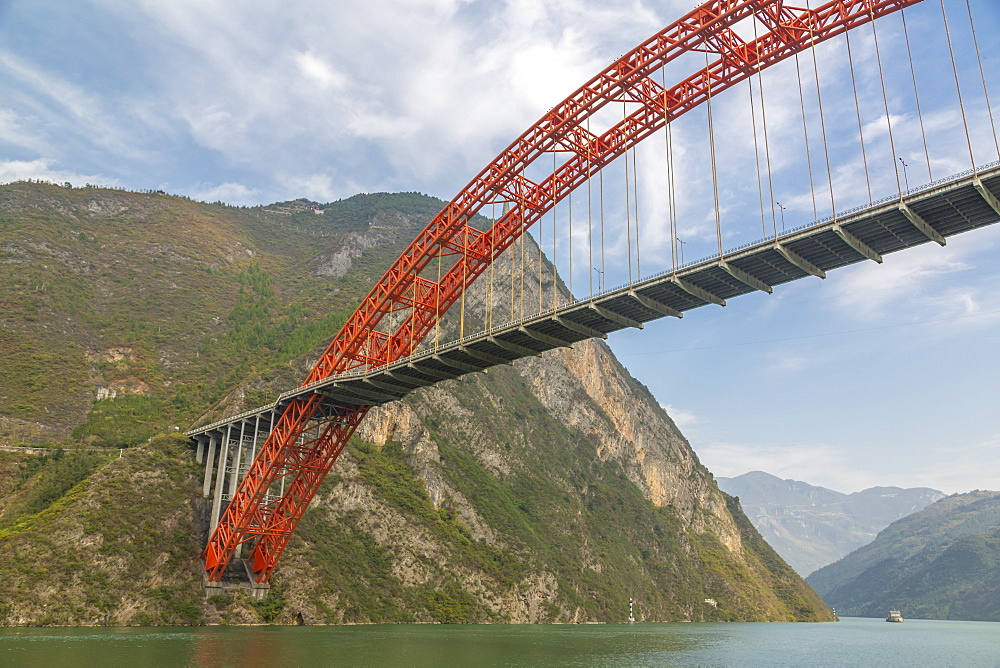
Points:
[[960, 204]]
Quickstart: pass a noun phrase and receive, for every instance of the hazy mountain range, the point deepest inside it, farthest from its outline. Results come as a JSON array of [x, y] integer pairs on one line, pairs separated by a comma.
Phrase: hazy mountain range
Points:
[[811, 526], [940, 563]]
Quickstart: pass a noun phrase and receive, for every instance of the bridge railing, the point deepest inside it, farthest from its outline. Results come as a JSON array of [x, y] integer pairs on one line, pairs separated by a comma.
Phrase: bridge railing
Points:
[[601, 294]]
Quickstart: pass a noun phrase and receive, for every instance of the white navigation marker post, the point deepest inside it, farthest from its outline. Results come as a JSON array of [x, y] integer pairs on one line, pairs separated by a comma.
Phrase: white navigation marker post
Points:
[[631, 617]]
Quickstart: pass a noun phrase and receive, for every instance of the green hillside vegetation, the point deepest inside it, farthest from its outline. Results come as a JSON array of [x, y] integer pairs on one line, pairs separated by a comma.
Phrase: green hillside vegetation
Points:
[[196, 297], [43, 479], [940, 563], [563, 513], [120, 546], [126, 317], [120, 542]]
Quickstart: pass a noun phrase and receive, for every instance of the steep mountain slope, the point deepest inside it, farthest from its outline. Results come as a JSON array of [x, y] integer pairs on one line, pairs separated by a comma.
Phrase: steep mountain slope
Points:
[[550, 489], [120, 547], [162, 305], [811, 526], [940, 563]]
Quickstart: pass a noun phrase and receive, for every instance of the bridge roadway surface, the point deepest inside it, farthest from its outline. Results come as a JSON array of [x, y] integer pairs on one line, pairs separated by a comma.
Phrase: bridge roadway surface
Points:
[[929, 213]]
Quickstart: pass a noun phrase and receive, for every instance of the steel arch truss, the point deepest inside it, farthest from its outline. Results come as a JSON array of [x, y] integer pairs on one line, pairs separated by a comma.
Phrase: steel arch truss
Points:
[[418, 302]]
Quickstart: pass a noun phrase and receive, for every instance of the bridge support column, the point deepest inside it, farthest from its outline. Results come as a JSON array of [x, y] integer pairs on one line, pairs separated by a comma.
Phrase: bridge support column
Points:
[[238, 554], [259, 591], [253, 448], [220, 478], [234, 478], [200, 452], [207, 486], [211, 588]]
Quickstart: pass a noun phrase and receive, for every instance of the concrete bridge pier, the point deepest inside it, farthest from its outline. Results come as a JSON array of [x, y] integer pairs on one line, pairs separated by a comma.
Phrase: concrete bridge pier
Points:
[[238, 577], [207, 486], [220, 478], [227, 452]]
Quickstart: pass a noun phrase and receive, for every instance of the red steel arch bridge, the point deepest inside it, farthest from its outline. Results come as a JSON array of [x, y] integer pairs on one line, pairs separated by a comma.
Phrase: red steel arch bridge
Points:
[[858, 135]]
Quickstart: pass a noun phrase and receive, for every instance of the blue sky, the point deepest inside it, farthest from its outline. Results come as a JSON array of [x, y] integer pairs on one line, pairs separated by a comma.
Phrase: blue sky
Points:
[[878, 375]]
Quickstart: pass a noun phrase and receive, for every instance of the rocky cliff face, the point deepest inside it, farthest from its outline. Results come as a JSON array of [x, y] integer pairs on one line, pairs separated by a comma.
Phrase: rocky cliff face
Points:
[[586, 503], [573, 486]]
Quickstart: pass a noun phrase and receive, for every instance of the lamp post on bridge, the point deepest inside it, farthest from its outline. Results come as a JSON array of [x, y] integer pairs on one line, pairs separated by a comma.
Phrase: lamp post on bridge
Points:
[[782, 215], [600, 279], [681, 242], [906, 180]]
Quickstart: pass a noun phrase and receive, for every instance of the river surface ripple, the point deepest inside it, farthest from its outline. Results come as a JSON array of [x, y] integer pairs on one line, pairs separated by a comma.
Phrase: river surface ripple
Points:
[[850, 642]]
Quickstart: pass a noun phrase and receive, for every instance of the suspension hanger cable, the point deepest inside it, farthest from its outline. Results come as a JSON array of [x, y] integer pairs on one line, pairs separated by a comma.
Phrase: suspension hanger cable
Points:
[[600, 183], [805, 135], [541, 240], [524, 231], [465, 281], [437, 305], [711, 145], [590, 213], [511, 256], [982, 75], [669, 157], [570, 203], [857, 109], [756, 157], [628, 207], [488, 320], [672, 197], [555, 235], [958, 86], [767, 145], [916, 96], [822, 119], [885, 102], [635, 200]]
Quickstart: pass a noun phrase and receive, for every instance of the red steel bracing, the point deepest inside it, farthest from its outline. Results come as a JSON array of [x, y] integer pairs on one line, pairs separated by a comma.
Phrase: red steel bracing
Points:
[[359, 344]]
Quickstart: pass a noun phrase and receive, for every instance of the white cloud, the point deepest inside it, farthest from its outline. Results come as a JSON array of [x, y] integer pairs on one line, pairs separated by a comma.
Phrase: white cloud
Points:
[[786, 361], [867, 290], [55, 101], [401, 96], [816, 464], [22, 170], [939, 281], [681, 416], [962, 467], [14, 132], [230, 193], [959, 469], [420, 95], [317, 70], [318, 187]]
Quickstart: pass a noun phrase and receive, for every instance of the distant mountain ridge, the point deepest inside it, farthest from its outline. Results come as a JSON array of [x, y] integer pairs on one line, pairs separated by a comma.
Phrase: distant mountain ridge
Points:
[[939, 563], [811, 526]]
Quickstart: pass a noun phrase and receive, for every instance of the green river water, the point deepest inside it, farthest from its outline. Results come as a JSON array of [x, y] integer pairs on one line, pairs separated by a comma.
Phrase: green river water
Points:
[[851, 642]]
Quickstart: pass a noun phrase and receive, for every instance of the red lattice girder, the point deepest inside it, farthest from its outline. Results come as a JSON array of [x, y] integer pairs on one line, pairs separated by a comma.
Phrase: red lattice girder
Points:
[[359, 343], [707, 28]]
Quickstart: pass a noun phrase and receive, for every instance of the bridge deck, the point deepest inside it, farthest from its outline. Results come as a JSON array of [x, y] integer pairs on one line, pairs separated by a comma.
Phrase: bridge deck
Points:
[[930, 213]]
